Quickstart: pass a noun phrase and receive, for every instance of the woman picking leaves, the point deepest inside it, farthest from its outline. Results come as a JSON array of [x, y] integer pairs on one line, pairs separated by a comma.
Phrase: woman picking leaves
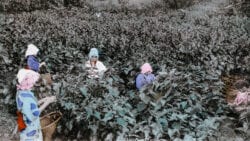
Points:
[[94, 67], [27, 105], [145, 77], [243, 94], [32, 62]]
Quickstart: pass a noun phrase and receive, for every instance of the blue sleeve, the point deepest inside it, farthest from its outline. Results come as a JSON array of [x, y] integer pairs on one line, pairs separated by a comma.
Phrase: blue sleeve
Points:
[[152, 77], [139, 81], [33, 63], [30, 109]]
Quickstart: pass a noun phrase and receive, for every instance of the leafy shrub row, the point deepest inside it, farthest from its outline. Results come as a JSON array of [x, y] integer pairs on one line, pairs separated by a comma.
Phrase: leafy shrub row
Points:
[[14, 6], [242, 6]]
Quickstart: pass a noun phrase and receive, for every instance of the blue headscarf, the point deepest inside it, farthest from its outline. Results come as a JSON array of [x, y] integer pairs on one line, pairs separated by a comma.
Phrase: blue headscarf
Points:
[[93, 52]]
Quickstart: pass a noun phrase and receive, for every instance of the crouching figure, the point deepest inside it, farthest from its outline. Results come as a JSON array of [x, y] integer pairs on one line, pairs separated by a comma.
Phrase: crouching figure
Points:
[[145, 77], [94, 67]]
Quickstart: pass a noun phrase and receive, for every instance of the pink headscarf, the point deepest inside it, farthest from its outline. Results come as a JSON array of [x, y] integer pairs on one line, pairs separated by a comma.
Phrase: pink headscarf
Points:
[[146, 68], [241, 98], [26, 79]]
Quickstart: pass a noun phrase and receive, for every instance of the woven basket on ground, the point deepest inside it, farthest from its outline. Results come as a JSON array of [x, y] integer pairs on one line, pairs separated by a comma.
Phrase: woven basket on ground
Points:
[[49, 123]]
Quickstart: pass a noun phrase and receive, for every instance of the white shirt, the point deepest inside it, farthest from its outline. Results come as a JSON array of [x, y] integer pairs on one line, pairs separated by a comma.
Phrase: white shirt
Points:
[[97, 70]]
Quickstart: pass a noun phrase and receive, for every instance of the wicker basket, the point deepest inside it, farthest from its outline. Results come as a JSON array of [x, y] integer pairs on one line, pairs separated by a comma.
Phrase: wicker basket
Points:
[[49, 123], [46, 79]]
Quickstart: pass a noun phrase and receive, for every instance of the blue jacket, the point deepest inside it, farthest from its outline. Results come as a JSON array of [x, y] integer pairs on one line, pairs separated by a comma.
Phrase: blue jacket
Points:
[[33, 63], [27, 104], [143, 79]]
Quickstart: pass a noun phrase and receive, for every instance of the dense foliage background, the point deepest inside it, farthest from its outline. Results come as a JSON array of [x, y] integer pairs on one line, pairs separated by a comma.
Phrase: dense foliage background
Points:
[[189, 50]]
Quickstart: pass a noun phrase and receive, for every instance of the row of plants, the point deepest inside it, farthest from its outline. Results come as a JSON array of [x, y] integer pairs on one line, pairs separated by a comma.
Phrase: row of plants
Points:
[[242, 6], [181, 104], [15, 6]]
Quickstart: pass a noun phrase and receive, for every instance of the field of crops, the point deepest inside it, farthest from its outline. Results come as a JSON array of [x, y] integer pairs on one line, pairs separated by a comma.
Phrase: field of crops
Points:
[[190, 45]]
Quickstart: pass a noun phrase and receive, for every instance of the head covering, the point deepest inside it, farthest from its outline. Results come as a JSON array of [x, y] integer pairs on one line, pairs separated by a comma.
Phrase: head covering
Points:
[[31, 50], [146, 68], [93, 52], [241, 98], [26, 79]]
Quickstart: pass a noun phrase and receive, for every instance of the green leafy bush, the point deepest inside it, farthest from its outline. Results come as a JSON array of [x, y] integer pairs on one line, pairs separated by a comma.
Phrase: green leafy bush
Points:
[[242, 6]]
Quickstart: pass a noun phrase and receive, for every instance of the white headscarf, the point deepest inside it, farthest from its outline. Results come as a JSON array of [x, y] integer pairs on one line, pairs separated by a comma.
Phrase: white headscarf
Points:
[[23, 73], [31, 50]]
